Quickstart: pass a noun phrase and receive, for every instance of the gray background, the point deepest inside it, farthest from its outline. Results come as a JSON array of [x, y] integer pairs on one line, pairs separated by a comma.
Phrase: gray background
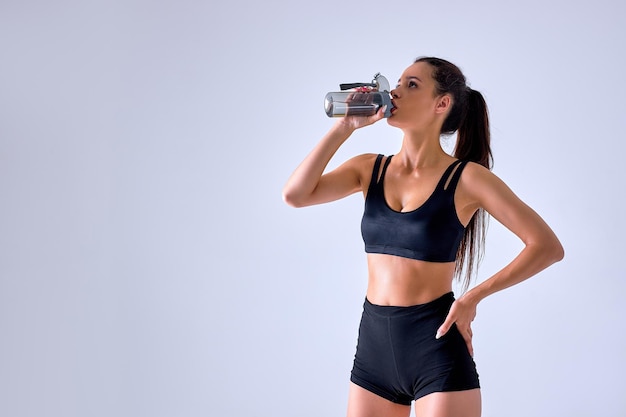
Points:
[[148, 266]]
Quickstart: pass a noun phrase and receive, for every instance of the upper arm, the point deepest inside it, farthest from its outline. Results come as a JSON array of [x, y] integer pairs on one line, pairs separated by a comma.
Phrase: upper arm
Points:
[[483, 189], [348, 178]]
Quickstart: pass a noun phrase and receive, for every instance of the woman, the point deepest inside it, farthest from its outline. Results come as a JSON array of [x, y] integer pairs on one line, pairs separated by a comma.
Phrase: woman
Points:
[[422, 226]]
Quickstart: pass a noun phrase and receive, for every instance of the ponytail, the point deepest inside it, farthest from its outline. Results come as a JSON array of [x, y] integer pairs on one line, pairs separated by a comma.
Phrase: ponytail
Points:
[[473, 139], [473, 144], [470, 119]]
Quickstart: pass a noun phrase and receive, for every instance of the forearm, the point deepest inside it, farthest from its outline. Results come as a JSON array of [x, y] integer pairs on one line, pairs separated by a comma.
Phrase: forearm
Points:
[[533, 259], [306, 176]]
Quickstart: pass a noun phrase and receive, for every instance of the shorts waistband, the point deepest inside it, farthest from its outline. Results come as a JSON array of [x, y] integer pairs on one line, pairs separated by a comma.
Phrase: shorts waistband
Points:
[[396, 311]]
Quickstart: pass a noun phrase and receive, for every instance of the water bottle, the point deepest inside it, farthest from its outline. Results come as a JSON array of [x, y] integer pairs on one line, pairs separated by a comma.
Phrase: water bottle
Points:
[[363, 99]]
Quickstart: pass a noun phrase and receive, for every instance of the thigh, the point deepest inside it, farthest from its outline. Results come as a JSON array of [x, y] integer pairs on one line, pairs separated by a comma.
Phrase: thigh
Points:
[[449, 404], [362, 403]]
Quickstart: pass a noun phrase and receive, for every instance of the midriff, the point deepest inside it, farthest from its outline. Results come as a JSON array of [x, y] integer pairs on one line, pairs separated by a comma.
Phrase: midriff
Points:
[[397, 281]]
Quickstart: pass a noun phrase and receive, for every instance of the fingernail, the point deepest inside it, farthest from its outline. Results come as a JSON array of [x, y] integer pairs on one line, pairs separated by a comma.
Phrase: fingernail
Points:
[[438, 335]]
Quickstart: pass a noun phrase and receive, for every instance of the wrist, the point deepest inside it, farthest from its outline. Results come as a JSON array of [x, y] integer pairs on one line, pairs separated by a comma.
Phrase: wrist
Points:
[[341, 126], [474, 296]]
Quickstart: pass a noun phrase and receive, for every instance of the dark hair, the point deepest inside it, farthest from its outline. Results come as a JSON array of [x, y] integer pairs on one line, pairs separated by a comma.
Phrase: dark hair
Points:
[[469, 117]]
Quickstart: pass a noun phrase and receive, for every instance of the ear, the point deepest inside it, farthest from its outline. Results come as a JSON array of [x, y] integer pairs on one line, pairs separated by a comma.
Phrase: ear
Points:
[[443, 104]]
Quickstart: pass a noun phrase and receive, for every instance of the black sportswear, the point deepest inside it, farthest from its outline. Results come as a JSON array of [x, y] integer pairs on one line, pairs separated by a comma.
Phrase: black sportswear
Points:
[[432, 232]]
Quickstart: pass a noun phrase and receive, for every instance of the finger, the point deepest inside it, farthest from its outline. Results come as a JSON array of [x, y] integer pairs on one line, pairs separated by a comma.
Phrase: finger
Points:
[[443, 329], [380, 114]]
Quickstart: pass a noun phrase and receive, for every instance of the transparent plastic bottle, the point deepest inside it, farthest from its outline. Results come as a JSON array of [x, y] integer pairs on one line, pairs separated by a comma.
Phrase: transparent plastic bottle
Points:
[[362, 99], [355, 103]]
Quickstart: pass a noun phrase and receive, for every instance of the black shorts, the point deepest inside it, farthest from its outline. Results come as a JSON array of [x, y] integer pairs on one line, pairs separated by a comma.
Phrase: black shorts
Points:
[[398, 357]]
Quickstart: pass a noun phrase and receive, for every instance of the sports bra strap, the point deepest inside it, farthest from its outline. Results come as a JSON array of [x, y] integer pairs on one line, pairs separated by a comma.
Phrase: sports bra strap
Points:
[[450, 177], [382, 175], [457, 167], [375, 170]]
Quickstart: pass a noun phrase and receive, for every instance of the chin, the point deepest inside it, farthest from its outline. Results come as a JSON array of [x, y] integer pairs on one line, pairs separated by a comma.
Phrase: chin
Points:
[[392, 121]]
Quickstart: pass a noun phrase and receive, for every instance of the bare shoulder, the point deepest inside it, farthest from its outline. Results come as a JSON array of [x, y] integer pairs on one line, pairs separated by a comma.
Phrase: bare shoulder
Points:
[[479, 187], [475, 171], [363, 160], [363, 165], [477, 179]]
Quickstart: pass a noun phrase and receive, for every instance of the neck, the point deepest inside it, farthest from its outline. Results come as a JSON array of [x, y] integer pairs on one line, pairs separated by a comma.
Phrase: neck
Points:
[[421, 150]]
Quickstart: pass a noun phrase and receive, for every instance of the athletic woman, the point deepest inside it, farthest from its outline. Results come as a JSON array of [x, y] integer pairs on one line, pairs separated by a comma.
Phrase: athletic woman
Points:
[[423, 225]]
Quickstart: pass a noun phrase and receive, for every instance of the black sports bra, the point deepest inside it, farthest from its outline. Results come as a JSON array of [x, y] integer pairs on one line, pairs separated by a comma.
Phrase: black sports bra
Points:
[[431, 232]]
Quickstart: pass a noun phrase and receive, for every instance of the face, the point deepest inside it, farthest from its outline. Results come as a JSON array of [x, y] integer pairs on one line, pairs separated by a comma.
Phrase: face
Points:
[[415, 99]]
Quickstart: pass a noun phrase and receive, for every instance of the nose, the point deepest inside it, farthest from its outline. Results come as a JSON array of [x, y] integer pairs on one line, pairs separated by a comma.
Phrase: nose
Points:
[[393, 93]]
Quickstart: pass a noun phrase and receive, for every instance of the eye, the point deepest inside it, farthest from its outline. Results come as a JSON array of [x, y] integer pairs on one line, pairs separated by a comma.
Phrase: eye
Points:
[[410, 84]]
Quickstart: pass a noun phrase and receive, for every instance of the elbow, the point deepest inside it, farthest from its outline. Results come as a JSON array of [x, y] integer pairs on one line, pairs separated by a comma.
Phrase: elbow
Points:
[[558, 252], [554, 251], [547, 250], [291, 198]]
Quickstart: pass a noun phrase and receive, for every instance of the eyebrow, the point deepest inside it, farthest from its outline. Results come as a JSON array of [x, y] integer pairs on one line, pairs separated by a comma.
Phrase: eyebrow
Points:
[[411, 77]]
